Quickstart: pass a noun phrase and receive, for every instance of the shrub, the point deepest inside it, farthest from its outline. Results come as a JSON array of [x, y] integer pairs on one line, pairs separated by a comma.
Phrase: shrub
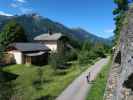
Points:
[[1, 56], [39, 81], [6, 87], [57, 61], [83, 57], [71, 55]]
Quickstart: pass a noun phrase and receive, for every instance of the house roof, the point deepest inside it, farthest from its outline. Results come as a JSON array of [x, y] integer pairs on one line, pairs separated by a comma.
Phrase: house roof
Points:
[[48, 37], [29, 47]]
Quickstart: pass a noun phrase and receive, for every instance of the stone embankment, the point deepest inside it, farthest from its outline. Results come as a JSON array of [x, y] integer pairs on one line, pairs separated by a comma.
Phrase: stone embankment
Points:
[[120, 82]]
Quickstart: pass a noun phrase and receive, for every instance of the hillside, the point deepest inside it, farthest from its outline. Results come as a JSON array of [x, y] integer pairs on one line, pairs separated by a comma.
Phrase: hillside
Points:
[[36, 25], [83, 34]]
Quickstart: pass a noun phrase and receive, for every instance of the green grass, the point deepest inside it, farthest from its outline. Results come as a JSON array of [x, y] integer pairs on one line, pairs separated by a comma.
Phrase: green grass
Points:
[[97, 90], [52, 84]]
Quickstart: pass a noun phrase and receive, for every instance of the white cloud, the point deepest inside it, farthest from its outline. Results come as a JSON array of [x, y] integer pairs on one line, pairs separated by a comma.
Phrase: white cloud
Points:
[[20, 5], [25, 10], [109, 31], [21, 1], [5, 14]]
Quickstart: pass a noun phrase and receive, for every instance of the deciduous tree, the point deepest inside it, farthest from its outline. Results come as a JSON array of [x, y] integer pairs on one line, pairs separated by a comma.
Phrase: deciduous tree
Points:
[[12, 32]]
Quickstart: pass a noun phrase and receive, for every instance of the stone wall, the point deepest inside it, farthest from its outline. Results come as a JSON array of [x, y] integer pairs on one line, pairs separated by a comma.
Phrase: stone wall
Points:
[[126, 49], [125, 66]]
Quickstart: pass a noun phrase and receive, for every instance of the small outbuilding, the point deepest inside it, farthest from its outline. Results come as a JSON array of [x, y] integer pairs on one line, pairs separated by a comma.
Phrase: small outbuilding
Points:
[[29, 53]]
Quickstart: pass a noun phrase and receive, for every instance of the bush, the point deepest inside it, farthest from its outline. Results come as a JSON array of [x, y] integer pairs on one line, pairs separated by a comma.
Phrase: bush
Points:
[[71, 55], [1, 56], [91, 52], [1, 52], [101, 54], [83, 57], [39, 81], [57, 61], [6, 86]]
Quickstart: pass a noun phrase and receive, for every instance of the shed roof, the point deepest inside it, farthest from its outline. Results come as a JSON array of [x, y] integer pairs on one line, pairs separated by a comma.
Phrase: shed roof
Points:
[[29, 47], [49, 37], [35, 54]]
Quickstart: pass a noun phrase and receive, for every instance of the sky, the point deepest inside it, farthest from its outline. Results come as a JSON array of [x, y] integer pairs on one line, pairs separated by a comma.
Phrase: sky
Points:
[[95, 16]]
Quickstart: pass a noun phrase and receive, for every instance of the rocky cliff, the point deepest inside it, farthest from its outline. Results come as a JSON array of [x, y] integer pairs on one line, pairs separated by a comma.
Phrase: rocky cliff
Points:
[[120, 82]]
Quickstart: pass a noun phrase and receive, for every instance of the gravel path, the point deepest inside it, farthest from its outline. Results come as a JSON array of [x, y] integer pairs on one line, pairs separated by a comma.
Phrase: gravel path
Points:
[[79, 88]]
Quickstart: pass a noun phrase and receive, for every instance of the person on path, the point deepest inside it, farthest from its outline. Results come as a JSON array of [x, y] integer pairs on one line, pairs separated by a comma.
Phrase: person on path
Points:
[[88, 77]]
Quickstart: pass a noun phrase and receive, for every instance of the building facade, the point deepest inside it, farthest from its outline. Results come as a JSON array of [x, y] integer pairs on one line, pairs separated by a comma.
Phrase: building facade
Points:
[[29, 53]]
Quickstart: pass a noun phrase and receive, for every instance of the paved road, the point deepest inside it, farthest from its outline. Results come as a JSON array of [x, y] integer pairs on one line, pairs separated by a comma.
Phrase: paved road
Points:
[[79, 88]]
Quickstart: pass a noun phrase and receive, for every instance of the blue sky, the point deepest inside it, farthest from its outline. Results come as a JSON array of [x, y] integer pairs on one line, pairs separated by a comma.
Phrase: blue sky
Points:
[[93, 15]]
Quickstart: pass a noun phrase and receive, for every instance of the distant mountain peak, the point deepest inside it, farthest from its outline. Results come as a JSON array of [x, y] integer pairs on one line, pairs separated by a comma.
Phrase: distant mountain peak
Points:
[[34, 25], [79, 29]]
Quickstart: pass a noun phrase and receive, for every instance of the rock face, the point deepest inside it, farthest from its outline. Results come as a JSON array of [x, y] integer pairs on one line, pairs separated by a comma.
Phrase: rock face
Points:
[[126, 50], [123, 57]]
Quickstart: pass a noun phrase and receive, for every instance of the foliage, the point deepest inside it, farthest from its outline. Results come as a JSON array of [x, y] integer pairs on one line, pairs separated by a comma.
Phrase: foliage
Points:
[[6, 87], [53, 85], [57, 61], [119, 12], [90, 52], [101, 49], [83, 57], [122, 5], [6, 90], [1, 56], [71, 54], [12, 32], [39, 81], [98, 88], [83, 53]]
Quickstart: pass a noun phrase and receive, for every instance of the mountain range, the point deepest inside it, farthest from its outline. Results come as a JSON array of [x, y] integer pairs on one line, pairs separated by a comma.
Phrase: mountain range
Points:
[[35, 25]]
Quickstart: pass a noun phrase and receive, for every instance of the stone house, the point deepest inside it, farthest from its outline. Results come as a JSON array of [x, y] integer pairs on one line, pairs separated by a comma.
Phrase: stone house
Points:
[[55, 41], [28, 53]]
